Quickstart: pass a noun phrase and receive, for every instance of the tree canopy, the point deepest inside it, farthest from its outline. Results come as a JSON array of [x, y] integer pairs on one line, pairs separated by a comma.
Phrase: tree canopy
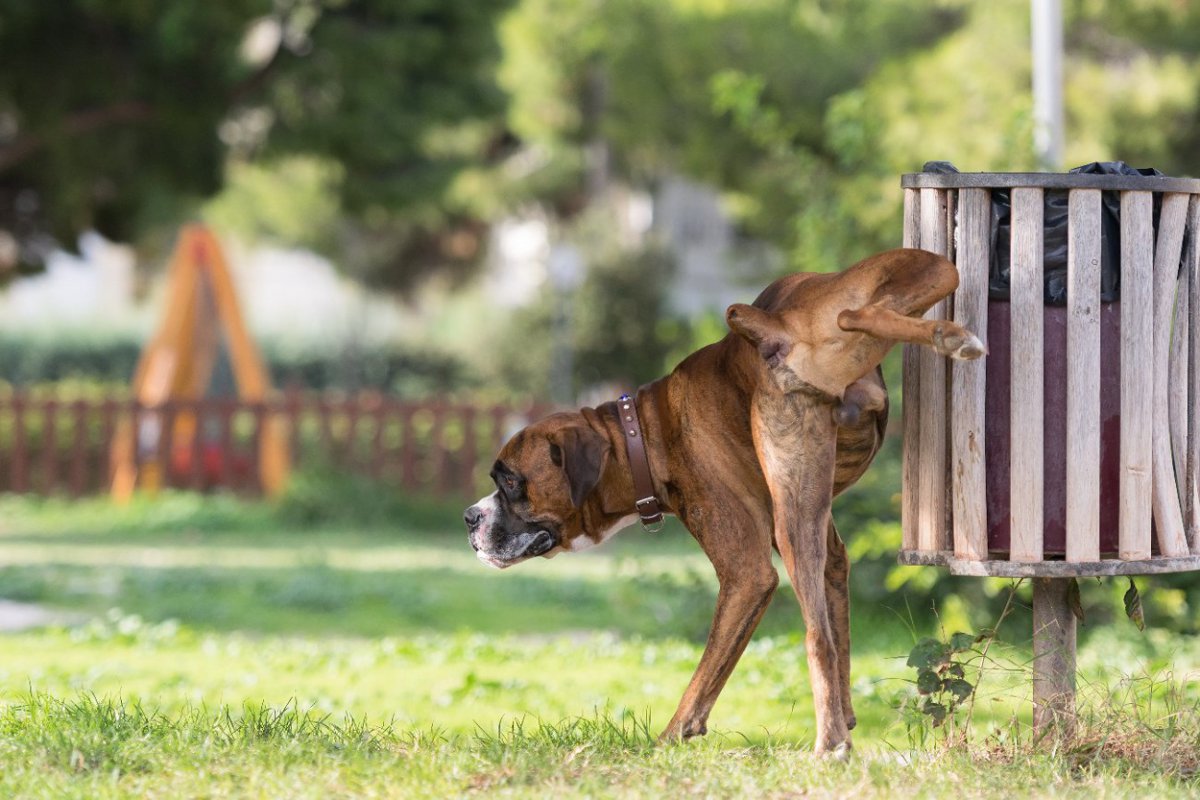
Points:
[[390, 132], [116, 114]]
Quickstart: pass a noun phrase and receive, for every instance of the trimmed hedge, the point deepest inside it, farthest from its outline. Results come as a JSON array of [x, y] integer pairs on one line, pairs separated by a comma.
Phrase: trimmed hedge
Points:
[[404, 372]]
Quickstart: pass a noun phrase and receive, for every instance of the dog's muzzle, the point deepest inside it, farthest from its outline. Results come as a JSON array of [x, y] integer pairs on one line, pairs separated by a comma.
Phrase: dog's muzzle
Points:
[[497, 547]]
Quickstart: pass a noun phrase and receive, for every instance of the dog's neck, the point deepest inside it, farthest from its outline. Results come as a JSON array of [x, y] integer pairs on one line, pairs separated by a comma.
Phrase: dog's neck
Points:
[[619, 496]]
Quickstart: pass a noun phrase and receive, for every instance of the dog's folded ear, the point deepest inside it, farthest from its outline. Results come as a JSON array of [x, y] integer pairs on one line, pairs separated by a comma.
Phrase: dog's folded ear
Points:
[[762, 329], [581, 452]]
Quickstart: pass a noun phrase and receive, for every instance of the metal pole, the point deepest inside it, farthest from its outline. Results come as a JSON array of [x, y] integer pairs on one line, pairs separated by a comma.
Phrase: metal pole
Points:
[[562, 368], [1053, 658], [1047, 29], [565, 268]]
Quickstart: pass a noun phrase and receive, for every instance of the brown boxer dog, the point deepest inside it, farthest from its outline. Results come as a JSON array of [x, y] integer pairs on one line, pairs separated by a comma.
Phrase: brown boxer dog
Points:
[[747, 442]]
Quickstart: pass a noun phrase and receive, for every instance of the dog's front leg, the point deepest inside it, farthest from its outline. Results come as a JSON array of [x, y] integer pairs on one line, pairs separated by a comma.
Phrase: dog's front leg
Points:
[[797, 442], [738, 542]]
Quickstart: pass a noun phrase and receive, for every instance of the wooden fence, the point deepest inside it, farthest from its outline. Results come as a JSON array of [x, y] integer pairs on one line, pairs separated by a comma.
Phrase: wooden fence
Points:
[[50, 445]]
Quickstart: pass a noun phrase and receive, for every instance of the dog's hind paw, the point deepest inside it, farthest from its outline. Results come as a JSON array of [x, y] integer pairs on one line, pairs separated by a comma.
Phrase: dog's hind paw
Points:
[[838, 752], [958, 343], [970, 350]]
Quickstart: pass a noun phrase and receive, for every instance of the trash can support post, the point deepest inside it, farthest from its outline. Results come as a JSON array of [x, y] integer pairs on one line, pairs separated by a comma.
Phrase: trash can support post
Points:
[[1053, 658]]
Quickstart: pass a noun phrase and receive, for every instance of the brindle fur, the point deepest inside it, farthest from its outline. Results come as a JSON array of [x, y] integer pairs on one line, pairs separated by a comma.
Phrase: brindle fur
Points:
[[748, 447]]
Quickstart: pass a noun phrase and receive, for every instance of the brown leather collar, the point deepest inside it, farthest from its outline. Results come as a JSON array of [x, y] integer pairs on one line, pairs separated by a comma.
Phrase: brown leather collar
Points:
[[645, 500]]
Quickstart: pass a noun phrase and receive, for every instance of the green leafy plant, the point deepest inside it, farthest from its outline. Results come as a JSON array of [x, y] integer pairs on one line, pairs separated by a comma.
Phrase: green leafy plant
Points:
[[942, 686]]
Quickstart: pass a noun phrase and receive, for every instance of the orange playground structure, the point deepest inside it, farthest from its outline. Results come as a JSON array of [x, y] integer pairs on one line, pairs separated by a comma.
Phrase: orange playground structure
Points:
[[200, 350]]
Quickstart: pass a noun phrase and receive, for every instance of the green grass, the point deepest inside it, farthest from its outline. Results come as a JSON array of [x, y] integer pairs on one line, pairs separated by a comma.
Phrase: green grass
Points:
[[212, 648]]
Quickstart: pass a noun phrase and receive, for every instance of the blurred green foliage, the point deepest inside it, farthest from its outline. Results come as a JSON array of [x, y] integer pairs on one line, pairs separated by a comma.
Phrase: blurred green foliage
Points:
[[120, 115], [390, 132], [330, 496], [620, 330], [72, 362], [805, 114]]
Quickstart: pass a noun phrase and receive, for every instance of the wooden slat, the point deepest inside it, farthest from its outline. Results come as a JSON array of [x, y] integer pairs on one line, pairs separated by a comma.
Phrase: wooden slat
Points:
[[1026, 380], [255, 478], [79, 448], [324, 410], [408, 450], [380, 418], [1192, 266], [165, 417], [499, 422], [1083, 376], [910, 480], [1168, 516], [19, 479], [50, 446], [443, 478], [951, 203], [1137, 370], [1177, 389], [108, 430], [931, 491], [912, 218], [469, 453], [200, 411], [353, 405], [226, 411], [291, 412], [969, 484]]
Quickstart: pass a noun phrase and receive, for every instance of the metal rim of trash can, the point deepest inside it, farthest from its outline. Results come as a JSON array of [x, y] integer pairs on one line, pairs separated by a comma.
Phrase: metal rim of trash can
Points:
[[1048, 180]]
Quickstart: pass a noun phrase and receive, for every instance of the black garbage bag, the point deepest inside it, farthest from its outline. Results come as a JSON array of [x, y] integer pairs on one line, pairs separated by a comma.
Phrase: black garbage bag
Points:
[[1054, 234]]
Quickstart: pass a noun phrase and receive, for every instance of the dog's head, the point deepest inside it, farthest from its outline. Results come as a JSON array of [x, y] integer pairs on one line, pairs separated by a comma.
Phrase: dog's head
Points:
[[545, 501]]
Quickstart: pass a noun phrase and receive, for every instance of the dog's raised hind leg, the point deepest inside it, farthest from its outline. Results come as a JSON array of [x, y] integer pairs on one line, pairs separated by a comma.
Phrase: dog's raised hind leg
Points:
[[946, 337]]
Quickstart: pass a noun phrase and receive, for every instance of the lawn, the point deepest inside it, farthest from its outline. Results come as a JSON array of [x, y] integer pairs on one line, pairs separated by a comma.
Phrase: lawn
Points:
[[214, 648]]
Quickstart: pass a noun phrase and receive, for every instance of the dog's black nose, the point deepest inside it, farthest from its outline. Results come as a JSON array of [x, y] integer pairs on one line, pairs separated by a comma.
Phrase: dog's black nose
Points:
[[472, 517]]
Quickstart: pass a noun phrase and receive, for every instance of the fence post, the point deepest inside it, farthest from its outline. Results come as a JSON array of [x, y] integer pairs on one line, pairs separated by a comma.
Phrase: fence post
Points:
[[20, 452], [50, 445], [79, 449]]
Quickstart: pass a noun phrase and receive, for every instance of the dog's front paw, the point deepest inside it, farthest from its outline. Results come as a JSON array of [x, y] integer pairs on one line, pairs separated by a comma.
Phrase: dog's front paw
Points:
[[680, 731]]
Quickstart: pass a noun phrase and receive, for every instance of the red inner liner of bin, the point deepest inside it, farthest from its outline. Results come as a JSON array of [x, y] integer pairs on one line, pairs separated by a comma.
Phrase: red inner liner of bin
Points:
[[1054, 415]]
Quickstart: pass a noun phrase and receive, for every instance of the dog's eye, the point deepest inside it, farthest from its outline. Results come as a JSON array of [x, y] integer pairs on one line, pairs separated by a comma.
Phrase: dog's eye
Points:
[[510, 484]]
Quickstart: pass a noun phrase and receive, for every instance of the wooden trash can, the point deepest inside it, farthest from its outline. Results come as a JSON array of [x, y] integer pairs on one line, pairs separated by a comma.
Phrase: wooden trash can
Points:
[[1157, 425], [1111, 406]]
